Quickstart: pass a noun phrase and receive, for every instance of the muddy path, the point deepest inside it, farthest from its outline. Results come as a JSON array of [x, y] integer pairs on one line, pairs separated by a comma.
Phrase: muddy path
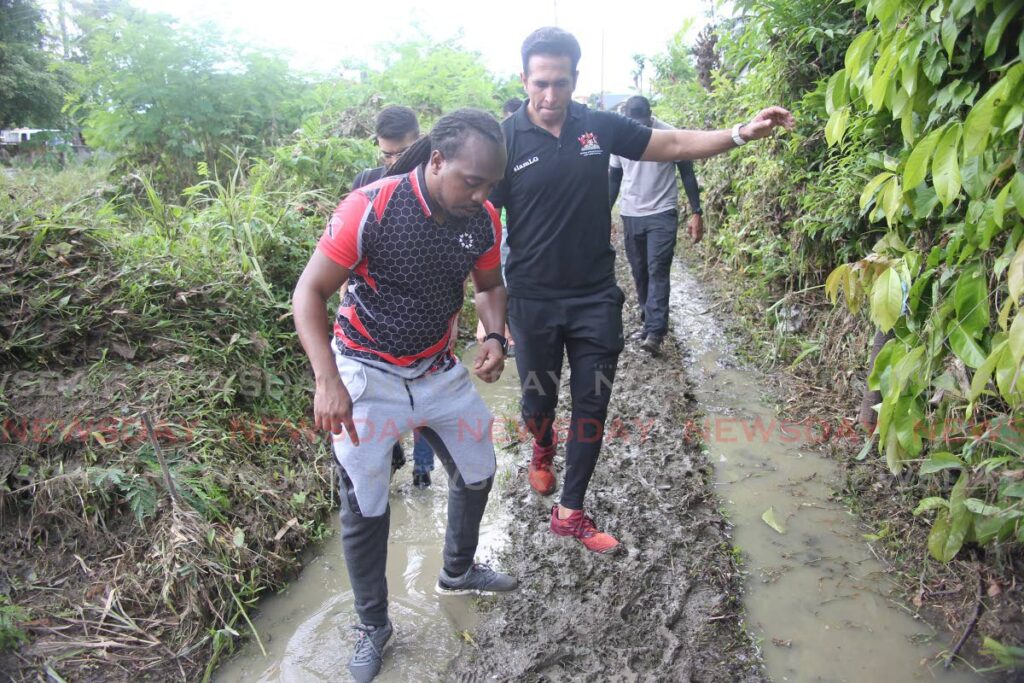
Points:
[[669, 608]]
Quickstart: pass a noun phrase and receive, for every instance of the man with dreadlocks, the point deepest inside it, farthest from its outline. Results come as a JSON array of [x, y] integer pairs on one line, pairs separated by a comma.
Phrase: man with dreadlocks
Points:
[[407, 243]]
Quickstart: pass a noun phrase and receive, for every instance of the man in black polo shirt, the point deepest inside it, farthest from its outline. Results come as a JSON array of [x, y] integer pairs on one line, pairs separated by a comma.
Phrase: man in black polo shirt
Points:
[[560, 272], [396, 128]]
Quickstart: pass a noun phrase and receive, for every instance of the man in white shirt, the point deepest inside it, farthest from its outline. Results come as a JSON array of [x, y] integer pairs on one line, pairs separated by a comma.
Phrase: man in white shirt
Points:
[[650, 219]]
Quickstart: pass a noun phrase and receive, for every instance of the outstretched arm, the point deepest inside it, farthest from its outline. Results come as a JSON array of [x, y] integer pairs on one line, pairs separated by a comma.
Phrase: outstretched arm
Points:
[[679, 145]]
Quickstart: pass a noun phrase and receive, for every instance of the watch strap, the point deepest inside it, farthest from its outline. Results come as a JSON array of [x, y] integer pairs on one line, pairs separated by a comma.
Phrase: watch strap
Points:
[[736, 137]]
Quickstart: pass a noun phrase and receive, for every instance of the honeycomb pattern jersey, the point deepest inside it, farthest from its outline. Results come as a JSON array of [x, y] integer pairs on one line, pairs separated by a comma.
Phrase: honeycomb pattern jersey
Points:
[[408, 271]]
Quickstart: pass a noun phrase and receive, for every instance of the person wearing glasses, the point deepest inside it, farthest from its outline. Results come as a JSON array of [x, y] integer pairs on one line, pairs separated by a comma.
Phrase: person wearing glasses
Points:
[[396, 129], [649, 221]]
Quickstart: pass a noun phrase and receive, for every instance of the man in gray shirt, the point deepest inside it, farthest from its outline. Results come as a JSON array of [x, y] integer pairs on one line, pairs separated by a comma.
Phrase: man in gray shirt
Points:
[[650, 220]]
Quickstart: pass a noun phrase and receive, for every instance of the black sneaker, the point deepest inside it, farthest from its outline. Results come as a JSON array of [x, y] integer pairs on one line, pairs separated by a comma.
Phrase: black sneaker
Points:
[[397, 458], [369, 651], [478, 579], [652, 345], [421, 480]]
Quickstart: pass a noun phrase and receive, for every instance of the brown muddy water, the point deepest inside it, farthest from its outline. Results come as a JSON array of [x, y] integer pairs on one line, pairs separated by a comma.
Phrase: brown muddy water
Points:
[[305, 628], [816, 599]]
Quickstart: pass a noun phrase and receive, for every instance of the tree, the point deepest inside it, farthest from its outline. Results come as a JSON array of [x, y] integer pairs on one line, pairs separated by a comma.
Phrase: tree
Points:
[[437, 78], [161, 94], [31, 85]]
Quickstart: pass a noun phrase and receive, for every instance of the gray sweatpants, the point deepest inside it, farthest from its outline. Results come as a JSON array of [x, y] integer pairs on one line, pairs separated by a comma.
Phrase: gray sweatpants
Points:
[[450, 414]]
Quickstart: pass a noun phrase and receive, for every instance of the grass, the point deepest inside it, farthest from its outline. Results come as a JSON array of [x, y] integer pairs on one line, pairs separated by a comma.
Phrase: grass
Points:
[[113, 306]]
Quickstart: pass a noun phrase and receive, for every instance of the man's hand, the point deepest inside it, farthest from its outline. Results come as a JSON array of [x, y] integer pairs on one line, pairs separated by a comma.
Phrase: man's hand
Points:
[[490, 361], [696, 227], [761, 126], [332, 408]]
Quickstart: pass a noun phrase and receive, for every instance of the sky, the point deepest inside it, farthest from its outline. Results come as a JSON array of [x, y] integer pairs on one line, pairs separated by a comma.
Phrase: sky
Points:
[[320, 34]]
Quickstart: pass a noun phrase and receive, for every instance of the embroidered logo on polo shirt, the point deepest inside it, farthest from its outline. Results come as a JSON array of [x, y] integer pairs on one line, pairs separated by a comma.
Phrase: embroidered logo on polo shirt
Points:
[[529, 162], [589, 145]]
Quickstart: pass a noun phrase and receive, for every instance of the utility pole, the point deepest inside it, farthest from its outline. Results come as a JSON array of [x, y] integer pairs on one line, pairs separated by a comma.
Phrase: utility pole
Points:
[[63, 16], [602, 69]]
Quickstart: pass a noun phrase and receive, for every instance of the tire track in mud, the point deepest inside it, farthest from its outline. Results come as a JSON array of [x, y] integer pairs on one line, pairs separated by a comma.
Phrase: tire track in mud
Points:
[[666, 609]]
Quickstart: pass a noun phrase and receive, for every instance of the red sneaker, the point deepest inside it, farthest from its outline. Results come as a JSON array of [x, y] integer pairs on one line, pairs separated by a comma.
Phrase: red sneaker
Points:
[[582, 527], [541, 474]]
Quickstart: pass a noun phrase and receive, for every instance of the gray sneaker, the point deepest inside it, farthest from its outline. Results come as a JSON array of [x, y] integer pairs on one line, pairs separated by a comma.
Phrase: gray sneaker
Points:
[[369, 651], [478, 579]]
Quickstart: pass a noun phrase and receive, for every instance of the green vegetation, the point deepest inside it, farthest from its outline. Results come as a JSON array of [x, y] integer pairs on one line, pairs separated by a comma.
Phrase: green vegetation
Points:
[[883, 96], [901, 192], [154, 281], [32, 85]]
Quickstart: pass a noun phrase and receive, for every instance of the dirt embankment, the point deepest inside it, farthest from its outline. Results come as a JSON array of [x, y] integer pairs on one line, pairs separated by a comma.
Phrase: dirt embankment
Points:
[[669, 607]]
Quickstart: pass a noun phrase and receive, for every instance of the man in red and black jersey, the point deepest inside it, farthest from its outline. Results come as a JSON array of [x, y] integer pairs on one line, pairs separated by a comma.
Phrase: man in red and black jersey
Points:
[[407, 244], [560, 270]]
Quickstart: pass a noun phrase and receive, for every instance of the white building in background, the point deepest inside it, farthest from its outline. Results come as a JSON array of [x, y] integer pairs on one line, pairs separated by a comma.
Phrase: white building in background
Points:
[[14, 136]]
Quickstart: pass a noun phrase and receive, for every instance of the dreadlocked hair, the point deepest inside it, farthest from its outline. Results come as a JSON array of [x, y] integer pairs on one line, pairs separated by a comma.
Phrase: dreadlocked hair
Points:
[[448, 135]]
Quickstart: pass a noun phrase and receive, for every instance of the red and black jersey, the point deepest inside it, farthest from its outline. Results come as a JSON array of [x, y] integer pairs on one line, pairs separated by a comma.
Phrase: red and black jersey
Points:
[[408, 270]]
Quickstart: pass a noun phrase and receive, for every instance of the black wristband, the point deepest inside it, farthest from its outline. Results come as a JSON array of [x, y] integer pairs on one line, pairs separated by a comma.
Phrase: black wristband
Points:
[[501, 340]]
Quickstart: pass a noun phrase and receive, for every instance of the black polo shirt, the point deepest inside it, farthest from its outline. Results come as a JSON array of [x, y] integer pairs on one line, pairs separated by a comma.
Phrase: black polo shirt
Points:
[[555, 193]]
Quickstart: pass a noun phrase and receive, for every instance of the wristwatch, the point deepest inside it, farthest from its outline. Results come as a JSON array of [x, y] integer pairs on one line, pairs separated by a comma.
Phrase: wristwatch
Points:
[[501, 340], [736, 137]]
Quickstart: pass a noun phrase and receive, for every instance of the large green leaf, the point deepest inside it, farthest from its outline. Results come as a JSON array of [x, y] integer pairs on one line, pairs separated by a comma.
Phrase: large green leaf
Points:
[[869, 190], [881, 76], [892, 201], [984, 373], [916, 168], [995, 33], [883, 361], [978, 126], [835, 128], [1009, 377], [965, 348], [949, 31], [1015, 273], [836, 93], [1016, 339], [834, 281], [894, 453], [908, 421], [945, 166], [857, 56], [951, 526], [1017, 192], [999, 208], [938, 462], [886, 299], [970, 300]]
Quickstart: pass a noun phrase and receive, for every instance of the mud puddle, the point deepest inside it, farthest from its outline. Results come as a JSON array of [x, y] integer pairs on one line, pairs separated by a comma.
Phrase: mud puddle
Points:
[[816, 599], [305, 629]]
